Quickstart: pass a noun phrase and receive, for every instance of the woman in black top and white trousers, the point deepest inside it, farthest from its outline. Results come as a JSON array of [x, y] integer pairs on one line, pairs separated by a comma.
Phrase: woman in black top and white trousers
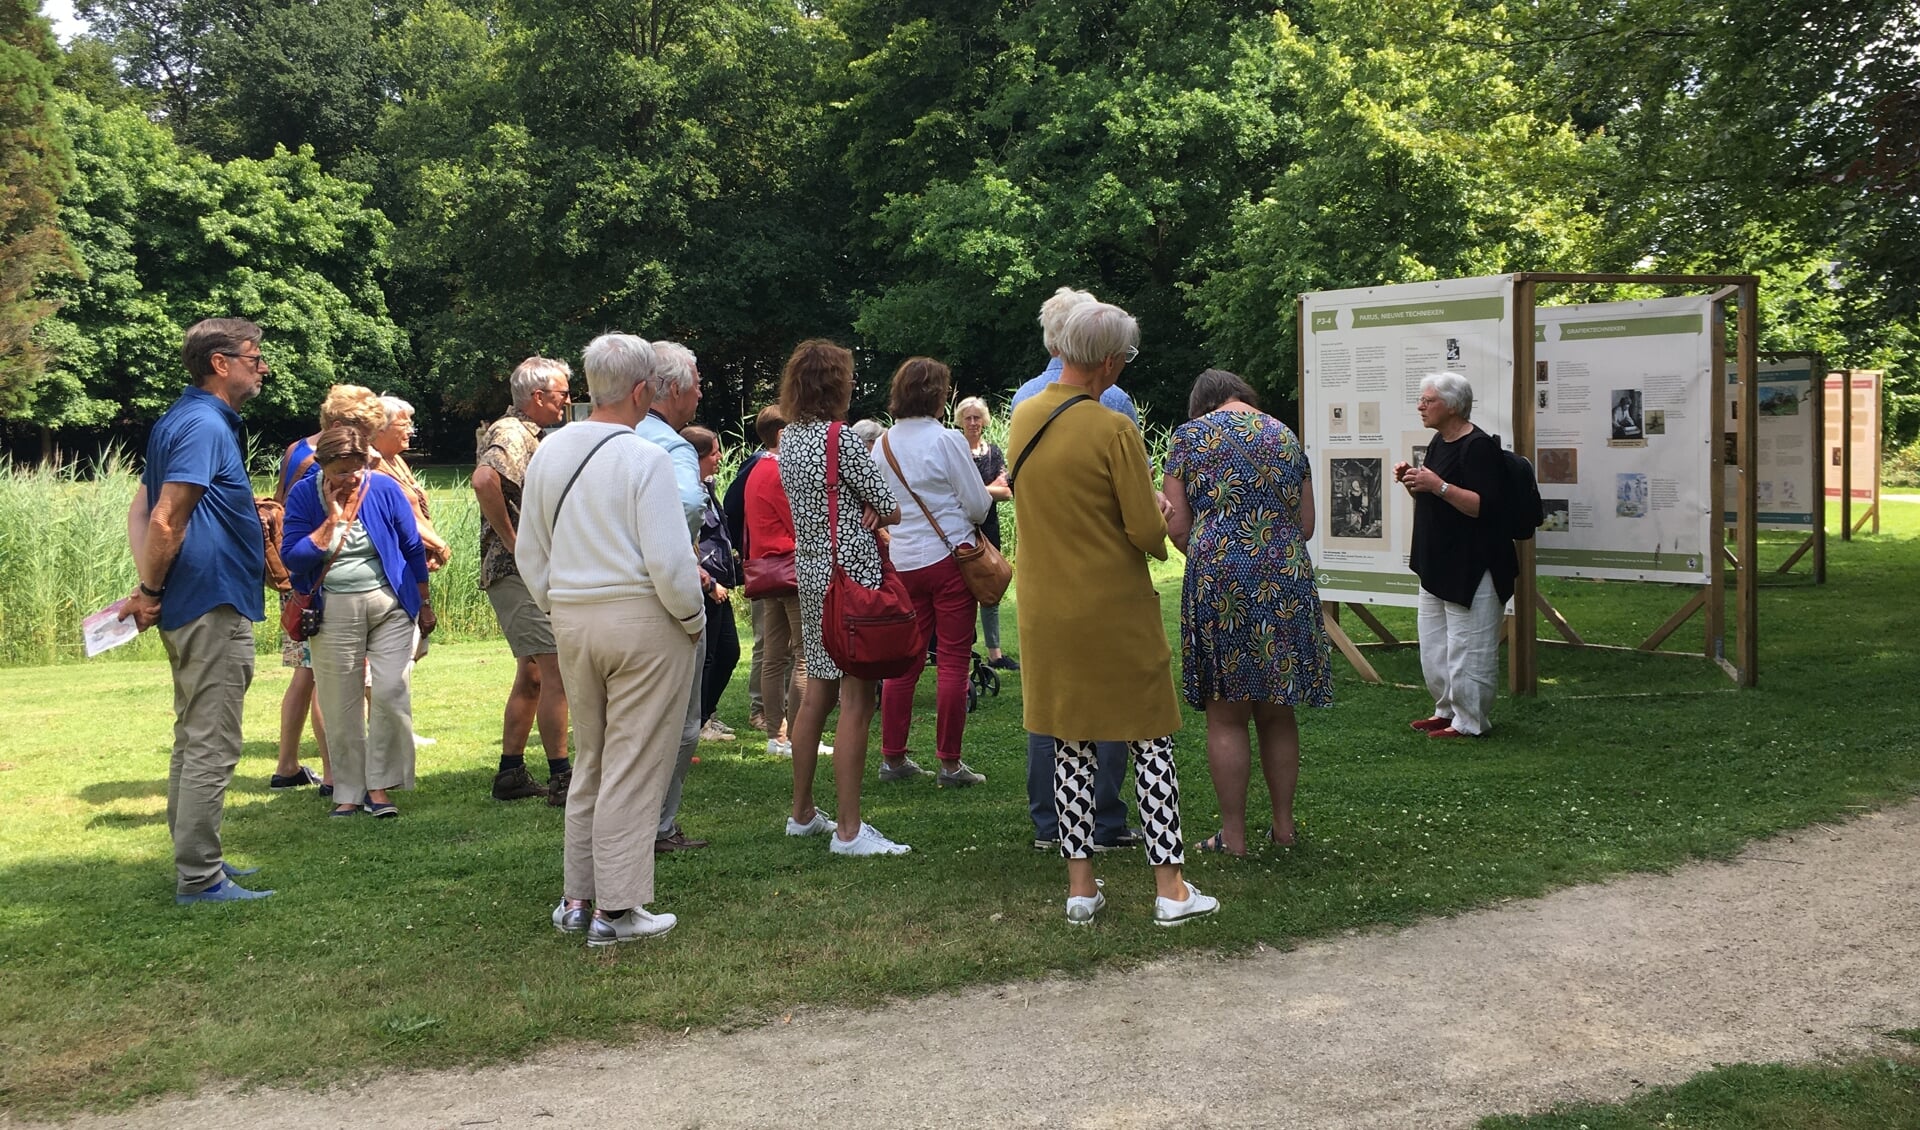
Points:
[[1465, 563]]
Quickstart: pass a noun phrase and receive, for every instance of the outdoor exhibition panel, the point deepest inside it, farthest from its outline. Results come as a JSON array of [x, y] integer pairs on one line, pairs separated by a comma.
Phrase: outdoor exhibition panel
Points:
[[1624, 441], [1787, 454], [1853, 446], [1363, 353]]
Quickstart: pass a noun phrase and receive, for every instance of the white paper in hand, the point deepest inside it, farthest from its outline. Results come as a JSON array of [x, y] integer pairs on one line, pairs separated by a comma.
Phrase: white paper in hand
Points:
[[105, 630]]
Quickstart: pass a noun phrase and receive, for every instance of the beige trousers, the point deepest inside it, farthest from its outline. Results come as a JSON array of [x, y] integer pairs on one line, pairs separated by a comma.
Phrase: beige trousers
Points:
[[212, 660], [366, 636], [626, 666], [783, 669]]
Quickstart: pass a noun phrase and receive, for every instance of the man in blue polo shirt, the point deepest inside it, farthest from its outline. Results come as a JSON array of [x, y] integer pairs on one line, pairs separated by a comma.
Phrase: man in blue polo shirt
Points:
[[202, 562], [1110, 828]]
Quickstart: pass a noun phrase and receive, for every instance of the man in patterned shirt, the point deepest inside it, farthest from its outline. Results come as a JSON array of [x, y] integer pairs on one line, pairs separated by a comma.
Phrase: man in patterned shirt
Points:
[[540, 400]]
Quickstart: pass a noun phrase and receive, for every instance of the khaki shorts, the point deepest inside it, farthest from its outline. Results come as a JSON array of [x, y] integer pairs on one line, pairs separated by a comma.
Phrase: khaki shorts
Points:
[[293, 653], [521, 621]]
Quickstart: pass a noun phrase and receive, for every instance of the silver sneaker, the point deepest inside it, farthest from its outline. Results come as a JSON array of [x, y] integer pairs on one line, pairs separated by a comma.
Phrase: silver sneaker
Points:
[[868, 841], [904, 771], [570, 917], [957, 776], [1172, 912], [1081, 909], [818, 826], [629, 927]]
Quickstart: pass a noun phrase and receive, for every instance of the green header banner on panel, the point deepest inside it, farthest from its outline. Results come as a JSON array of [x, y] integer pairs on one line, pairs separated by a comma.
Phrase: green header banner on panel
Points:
[[1326, 320], [1439, 310], [1632, 327]]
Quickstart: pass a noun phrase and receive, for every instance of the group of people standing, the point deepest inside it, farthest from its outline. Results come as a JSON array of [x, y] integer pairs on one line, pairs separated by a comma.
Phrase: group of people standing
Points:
[[612, 562]]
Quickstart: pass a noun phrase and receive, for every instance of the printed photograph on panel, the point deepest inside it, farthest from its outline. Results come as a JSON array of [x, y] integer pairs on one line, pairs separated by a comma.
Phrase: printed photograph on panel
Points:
[[1556, 512], [1419, 459], [1367, 418], [1560, 465], [1540, 400], [1453, 349], [1337, 420], [1540, 371], [1630, 494], [1357, 500], [1763, 492], [1656, 421], [1777, 400], [1628, 427], [1730, 449]]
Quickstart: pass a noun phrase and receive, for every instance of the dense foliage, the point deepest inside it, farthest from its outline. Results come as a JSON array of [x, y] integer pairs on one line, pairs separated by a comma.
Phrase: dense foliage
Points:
[[420, 192]]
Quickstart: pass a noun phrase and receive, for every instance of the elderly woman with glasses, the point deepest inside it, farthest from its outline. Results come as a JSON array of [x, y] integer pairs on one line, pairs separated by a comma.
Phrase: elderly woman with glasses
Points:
[[1098, 667], [351, 541], [1465, 563]]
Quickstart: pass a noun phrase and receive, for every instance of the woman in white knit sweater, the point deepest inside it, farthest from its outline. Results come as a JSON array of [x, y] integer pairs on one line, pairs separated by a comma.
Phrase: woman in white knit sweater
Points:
[[603, 548]]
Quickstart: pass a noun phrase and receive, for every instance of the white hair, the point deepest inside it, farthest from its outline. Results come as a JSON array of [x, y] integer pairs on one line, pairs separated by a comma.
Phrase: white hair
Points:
[[970, 403], [674, 369], [869, 432], [533, 375], [1054, 311], [614, 364], [1095, 331], [395, 407], [1453, 390]]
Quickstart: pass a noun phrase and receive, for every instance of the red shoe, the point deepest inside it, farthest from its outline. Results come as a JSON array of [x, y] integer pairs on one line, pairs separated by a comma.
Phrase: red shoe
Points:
[[1429, 725], [1449, 732]]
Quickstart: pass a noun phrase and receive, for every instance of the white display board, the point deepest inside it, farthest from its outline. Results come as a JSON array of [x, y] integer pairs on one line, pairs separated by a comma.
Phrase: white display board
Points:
[[1787, 456], [1363, 354], [1862, 387], [1624, 440]]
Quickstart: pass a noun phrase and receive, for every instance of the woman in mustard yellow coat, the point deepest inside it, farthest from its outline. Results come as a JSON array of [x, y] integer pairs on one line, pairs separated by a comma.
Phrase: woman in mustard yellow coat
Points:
[[1097, 666]]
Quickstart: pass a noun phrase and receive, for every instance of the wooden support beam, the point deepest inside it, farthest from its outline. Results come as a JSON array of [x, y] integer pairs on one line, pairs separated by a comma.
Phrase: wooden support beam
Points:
[[1799, 553], [1523, 663], [1868, 515], [1340, 639], [1747, 585], [1558, 621], [1660, 634], [1372, 622]]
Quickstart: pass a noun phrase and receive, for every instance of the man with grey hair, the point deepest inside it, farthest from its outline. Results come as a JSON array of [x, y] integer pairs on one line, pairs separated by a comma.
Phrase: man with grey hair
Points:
[[1109, 810], [675, 381], [606, 557], [541, 396], [202, 565]]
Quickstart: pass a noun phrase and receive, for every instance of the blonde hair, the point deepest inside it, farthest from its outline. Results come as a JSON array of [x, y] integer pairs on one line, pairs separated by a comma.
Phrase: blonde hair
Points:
[[969, 403], [356, 406]]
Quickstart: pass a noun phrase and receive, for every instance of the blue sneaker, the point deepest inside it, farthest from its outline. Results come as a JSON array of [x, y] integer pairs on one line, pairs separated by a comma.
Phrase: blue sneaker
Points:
[[226, 890], [232, 872]]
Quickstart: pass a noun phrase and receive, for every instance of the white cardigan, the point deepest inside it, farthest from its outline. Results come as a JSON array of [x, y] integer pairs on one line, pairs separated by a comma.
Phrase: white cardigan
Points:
[[941, 471]]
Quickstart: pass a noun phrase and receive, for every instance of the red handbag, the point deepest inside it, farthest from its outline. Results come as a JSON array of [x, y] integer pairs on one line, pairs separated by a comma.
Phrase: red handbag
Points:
[[869, 633], [770, 576]]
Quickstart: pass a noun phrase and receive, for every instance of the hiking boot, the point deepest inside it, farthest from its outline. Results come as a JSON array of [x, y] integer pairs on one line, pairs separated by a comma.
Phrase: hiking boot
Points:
[[956, 775], [515, 784], [557, 786]]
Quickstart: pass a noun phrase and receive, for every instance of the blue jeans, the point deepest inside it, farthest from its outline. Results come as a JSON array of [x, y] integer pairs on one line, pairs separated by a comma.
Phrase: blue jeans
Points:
[[1110, 772]]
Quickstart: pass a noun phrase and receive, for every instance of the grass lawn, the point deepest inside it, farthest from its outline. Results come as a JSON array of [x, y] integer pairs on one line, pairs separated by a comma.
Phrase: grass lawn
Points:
[[1875, 1094], [425, 941]]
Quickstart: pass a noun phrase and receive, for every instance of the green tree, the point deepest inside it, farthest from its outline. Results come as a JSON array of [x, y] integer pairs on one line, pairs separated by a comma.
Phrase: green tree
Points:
[[34, 167], [169, 237]]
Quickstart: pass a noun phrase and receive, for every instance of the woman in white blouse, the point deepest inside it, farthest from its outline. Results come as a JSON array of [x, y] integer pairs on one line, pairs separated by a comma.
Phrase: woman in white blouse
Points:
[[942, 502]]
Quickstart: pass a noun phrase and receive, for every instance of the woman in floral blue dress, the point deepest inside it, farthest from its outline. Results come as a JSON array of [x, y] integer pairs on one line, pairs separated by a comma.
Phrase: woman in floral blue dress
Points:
[[1253, 647]]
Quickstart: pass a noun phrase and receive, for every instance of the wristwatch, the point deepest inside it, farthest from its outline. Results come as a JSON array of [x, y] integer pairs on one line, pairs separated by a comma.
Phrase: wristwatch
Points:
[[1443, 488], [152, 594]]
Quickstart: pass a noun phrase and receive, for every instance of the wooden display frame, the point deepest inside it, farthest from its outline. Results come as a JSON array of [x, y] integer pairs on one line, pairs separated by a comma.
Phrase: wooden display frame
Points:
[[1522, 628], [1876, 383]]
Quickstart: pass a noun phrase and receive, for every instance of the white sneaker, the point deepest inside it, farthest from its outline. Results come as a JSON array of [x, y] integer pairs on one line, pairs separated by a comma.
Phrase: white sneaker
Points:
[[713, 731], [819, 825], [421, 741], [1172, 912], [778, 748], [1081, 909], [868, 841], [825, 749], [570, 917], [629, 927]]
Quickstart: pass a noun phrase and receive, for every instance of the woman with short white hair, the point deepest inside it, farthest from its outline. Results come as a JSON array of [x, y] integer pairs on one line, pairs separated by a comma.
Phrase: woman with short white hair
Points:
[[973, 419], [1465, 563], [1098, 667]]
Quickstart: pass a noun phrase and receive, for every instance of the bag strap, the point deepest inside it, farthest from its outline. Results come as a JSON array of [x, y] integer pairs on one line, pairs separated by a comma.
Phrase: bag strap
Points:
[[1035, 441], [887, 448], [286, 484], [833, 494], [564, 491]]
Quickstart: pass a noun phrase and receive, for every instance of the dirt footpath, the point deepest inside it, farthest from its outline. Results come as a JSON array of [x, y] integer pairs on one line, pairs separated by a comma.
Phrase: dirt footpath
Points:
[[1806, 946]]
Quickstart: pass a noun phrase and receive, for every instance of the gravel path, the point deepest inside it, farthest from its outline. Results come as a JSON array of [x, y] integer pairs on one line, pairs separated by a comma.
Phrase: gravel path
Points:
[[1805, 946]]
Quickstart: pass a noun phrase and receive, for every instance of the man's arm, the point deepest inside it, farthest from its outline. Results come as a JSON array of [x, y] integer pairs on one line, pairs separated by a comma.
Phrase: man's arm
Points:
[[166, 530], [493, 504]]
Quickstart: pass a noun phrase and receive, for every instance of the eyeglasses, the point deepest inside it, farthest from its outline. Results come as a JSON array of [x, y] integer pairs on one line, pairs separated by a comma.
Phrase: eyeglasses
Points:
[[1132, 352], [258, 360]]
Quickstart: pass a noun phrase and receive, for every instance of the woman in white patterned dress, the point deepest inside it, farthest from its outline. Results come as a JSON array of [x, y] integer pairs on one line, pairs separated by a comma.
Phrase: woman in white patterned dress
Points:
[[815, 390]]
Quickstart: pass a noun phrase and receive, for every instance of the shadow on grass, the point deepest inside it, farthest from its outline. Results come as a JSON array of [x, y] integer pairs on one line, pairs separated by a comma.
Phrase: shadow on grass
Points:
[[106, 792]]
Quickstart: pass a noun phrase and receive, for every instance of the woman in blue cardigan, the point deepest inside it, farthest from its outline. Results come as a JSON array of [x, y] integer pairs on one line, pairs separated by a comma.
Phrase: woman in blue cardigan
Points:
[[352, 533]]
